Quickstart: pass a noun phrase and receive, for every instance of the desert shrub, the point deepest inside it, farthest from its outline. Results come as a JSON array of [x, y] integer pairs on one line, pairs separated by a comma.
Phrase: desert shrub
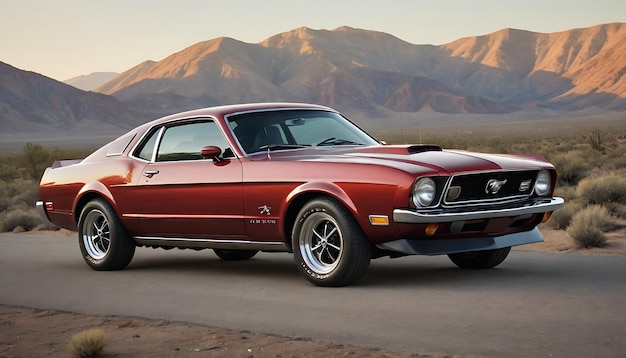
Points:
[[89, 343], [571, 166], [606, 190], [566, 192], [16, 218], [18, 194], [616, 156], [562, 218], [8, 172], [589, 225], [35, 159]]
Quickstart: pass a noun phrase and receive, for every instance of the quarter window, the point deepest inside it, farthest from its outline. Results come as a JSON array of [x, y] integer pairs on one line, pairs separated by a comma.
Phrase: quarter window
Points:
[[146, 149]]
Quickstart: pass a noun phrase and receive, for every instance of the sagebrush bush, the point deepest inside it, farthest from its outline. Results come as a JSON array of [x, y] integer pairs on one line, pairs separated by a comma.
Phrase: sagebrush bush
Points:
[[605, 189], [562, 218], [18, 218], [571, 166], [589, 225], [89, 343], [566, 192]]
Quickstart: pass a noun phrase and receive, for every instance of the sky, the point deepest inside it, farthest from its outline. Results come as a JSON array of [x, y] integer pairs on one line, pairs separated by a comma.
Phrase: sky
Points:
[[62, 39]]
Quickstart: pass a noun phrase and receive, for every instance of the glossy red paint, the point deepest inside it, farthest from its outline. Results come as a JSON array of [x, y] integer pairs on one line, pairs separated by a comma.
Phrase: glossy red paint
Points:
[[241, 198]]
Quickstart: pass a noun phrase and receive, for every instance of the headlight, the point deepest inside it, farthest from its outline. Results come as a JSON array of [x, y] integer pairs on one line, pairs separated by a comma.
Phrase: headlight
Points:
[[543, 183], [424, 192]]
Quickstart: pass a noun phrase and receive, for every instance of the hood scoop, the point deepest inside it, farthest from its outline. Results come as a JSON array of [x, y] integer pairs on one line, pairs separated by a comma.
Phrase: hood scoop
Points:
[[421, 148]]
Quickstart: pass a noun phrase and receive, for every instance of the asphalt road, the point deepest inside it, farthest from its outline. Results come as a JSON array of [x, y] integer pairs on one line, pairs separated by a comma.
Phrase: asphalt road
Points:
[[533, 305]]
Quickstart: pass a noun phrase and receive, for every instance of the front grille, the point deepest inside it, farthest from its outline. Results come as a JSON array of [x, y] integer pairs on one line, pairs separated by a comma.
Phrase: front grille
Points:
[[490, 187]]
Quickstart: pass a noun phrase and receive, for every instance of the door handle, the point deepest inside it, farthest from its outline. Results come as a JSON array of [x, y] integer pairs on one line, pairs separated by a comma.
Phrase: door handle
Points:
[[150, 173]]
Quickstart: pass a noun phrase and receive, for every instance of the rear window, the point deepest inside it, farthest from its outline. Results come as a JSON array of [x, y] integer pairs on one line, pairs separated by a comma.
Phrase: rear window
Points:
[[119, 145]]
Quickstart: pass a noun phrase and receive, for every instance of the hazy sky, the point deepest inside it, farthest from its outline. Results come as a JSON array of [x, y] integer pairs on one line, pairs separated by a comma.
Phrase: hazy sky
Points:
[[67, 38]]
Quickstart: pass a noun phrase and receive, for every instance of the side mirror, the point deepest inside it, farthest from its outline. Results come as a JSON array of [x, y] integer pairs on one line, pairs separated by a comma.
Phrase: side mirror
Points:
[[211, 152]]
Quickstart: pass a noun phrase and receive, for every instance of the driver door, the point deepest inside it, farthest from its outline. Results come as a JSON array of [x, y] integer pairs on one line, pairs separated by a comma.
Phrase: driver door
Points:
[[181, 194]]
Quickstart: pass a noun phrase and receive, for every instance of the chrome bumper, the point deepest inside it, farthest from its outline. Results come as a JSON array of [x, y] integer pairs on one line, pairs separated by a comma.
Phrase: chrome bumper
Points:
[[41, 210], [424, 217]]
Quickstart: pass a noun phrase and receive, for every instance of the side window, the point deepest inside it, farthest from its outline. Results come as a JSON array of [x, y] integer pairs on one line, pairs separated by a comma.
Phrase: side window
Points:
[[147, 147], [184, 141]]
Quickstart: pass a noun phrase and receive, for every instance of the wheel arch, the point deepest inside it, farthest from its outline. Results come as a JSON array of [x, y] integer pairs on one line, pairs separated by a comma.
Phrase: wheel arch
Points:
[[307, 192], [90, 192]]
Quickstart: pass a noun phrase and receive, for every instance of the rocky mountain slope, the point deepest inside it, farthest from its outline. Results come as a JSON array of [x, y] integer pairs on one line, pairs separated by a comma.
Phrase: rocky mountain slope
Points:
[[373, 74], [505, 71], [32, 103]]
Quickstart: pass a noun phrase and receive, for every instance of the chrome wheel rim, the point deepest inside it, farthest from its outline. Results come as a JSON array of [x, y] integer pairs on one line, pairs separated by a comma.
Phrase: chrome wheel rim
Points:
[[321, 243], [96, 234]]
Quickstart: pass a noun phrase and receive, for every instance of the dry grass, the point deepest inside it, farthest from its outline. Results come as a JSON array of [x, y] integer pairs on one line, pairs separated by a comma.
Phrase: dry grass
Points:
[[589, 226], [89, 343]]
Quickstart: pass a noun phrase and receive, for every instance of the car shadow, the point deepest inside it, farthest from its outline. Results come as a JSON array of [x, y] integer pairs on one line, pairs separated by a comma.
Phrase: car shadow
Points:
[[384, 272], [439, 272], [268, 265]]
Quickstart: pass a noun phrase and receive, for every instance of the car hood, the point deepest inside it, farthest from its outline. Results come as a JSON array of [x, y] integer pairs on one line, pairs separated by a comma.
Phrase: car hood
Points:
[[413, 158]]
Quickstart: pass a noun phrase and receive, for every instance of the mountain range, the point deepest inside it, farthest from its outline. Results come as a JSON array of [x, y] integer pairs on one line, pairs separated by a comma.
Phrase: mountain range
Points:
[[91, 81], [366, 73]]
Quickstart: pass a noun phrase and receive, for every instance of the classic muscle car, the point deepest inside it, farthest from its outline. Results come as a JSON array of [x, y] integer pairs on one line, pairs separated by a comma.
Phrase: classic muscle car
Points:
[[296, 178]]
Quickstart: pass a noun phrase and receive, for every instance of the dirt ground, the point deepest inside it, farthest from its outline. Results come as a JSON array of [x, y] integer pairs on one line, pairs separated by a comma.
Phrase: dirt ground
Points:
[[29, 332]]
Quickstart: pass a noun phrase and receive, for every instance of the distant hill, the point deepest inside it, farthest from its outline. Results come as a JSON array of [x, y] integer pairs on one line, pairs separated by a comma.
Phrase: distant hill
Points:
[[32, 103], [506, 71], [91, 81]]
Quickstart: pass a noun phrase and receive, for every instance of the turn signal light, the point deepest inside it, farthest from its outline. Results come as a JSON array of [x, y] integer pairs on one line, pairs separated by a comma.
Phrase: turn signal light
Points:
[[431, 229], [546, 217]]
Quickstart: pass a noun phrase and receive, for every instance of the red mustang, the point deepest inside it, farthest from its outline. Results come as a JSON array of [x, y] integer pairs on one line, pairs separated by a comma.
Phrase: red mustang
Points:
[[296, 178]]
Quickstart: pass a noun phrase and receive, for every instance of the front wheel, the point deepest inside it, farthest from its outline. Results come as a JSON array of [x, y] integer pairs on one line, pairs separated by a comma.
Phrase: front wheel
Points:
[[103, 241], [480, 259], [328, 244]]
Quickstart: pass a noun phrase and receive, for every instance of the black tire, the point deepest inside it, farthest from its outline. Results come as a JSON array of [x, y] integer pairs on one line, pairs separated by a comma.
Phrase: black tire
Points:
[[480, 259], [329, 246], [103, 241], [235, 255]]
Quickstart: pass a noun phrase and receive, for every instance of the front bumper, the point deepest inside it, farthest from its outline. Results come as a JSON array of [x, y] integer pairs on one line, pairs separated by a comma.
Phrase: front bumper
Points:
[[451, 246], [428, 217]]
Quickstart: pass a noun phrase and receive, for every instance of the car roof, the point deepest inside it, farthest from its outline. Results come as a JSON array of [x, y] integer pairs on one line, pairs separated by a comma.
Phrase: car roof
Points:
[[221, 111]]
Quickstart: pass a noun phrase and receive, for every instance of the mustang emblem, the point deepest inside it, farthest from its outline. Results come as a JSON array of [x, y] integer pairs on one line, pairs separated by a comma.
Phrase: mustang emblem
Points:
[[493, 186], [265, 209]]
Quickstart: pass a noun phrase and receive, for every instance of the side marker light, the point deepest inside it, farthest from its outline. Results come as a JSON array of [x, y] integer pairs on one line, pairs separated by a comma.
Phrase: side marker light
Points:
[[379, 220]]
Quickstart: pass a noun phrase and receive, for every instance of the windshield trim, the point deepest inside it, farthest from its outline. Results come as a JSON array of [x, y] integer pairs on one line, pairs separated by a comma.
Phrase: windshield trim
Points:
[[228, 118]]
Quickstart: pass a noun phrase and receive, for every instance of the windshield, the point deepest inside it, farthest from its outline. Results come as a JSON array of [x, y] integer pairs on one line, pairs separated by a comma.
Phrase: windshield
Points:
[[287, 129]]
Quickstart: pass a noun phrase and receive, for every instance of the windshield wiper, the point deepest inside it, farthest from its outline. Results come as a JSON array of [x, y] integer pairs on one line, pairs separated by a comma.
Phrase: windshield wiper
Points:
[[281, 146], [335, 141]]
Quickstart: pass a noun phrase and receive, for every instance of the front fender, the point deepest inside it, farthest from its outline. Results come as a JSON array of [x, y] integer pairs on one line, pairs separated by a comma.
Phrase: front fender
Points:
[[327, 188]]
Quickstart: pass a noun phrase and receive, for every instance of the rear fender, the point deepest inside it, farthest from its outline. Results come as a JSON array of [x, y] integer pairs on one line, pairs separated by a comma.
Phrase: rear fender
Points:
[[89, 192]]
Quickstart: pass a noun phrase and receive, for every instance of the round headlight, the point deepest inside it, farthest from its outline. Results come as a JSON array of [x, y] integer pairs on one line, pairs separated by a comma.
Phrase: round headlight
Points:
[[424, 192], [543, 183]]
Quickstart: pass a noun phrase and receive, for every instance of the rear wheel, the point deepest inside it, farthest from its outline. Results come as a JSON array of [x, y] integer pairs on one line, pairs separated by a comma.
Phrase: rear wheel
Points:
[[480, 259], [103, 241], [328, 244], [235, 255]]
